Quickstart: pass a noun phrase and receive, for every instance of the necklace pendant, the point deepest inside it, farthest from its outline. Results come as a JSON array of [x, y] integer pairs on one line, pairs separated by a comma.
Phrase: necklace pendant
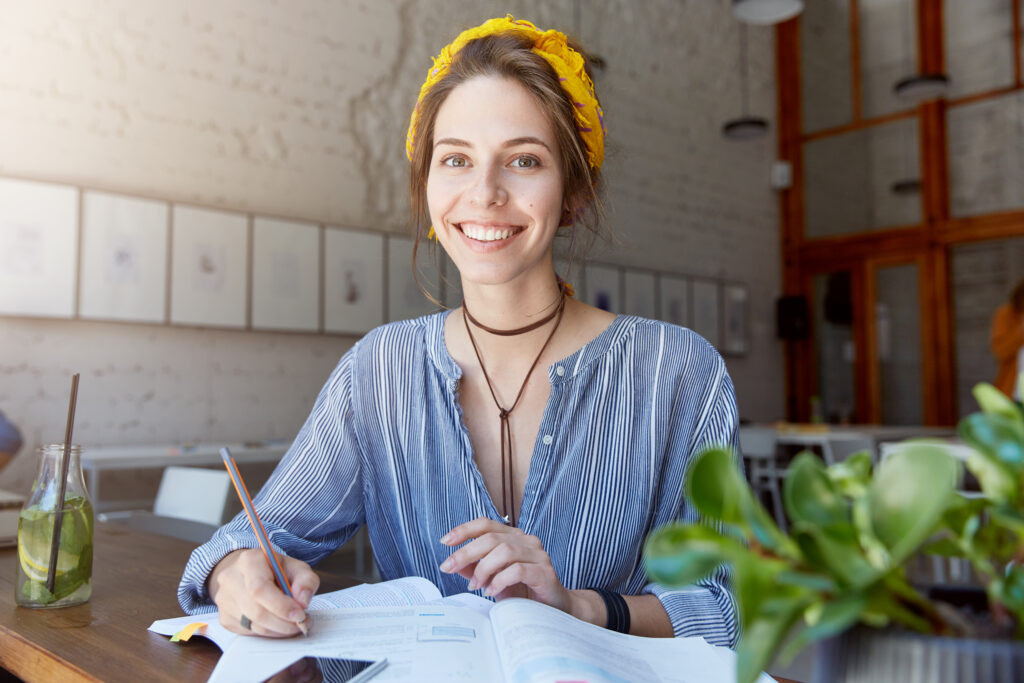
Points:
[[504, 518]]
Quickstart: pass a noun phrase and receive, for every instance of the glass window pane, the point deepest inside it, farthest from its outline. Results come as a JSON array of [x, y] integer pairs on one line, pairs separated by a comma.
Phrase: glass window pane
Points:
[[825, 64], [834, 350], [888, 53], [856, 182], [898, 345], [983, 274], [986, 155], [979, 45]]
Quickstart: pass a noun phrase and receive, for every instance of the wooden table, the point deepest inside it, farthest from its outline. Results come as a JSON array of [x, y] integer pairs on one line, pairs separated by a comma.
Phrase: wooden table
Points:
[[135, 579]]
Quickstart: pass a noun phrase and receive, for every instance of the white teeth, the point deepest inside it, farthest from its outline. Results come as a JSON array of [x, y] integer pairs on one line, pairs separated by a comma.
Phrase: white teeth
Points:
[[482, 234]]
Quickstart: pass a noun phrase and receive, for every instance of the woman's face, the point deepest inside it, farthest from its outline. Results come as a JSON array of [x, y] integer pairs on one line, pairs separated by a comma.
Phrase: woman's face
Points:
[[495, 184]]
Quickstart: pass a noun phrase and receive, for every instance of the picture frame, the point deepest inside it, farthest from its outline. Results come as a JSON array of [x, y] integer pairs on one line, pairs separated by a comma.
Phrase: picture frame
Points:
[[124, 258], [735, 314], [285, 275], [641, 293], [38, 248], [603, 287], [405, 298], [209, 267], [353, 280], [706, 307], [674, 299]]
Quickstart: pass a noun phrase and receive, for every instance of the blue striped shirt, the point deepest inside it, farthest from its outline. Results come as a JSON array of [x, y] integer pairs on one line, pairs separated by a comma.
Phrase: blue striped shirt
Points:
[[386, 445]]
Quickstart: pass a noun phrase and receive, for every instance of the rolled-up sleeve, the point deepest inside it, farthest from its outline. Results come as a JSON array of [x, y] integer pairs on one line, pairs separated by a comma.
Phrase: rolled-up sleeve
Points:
[[707, 608], [312, 503]]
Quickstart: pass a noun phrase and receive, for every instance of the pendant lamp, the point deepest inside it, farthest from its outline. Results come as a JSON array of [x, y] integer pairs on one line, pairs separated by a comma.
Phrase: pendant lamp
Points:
[[745, 126], [765, 12], [917, 87], [921, 87]]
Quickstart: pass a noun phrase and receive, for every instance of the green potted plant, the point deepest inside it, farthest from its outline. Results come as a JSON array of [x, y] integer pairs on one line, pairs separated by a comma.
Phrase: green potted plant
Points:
[[854, 530]]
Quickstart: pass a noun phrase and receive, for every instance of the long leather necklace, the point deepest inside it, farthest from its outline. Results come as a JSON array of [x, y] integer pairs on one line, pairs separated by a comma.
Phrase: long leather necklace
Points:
[[507, 481]]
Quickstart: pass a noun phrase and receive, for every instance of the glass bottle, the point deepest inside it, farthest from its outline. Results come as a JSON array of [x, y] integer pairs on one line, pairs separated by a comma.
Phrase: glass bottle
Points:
[[73, 577]]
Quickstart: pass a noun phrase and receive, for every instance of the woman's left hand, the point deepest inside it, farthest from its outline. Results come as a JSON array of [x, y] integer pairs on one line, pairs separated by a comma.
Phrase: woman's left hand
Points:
[[505, 562]]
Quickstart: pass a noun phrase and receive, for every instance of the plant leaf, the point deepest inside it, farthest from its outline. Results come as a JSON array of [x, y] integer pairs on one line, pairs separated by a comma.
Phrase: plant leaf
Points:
[[681, 554], [715, 485], [761, 639], [841, 559], [910, 491], [810, 495], [995, 476], [995, 402], [833, 618], [995, 435]]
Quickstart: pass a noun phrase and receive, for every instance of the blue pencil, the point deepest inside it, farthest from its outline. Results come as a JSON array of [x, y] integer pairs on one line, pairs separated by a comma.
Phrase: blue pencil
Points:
[[257, 527]]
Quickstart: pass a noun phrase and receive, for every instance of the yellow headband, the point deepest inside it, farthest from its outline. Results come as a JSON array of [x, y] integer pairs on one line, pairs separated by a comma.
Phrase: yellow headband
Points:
[[553, 47]]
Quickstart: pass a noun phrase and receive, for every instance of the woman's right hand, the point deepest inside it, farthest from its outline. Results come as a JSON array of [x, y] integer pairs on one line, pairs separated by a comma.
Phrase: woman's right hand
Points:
[[242, 583]]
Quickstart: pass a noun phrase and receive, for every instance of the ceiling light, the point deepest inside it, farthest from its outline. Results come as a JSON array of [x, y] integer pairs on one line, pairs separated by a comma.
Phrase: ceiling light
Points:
[[922, 87], [766, 12], [745, 128], [906, 187]]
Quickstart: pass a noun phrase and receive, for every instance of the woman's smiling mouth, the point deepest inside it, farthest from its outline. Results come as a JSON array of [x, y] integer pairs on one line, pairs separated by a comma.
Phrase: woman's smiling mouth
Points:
[[488, 233]]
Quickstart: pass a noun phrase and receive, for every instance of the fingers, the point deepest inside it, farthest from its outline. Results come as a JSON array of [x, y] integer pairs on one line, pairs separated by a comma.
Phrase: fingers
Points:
[[304, 581], [534, 576], [499, 547], [472, 529], [243, 584]]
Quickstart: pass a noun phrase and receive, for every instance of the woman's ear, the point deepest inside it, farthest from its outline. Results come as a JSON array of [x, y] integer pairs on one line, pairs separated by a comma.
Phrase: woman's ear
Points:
[[567, 217]]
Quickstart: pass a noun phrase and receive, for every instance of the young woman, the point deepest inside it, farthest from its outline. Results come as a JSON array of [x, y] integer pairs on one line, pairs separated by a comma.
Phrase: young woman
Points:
[[525, 443]]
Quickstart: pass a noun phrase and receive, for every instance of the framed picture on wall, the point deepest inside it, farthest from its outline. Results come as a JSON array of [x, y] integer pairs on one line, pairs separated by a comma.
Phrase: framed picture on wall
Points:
[[405, 298], [601, 286], [735, 327], [353, 280], [124, 258], [706, 307], [285, 275], [209, 270], [674, 300], [641, 293], [38, 248]]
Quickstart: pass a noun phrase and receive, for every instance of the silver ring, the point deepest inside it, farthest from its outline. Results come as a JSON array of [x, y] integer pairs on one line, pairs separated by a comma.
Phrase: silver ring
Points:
[[246, 623]]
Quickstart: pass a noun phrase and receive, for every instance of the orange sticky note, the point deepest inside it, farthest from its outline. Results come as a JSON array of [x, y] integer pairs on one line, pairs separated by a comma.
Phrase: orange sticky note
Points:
[[188, 631]]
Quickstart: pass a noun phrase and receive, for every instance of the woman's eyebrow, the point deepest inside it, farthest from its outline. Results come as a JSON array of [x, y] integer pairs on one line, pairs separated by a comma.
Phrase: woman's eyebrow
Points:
[[452, 141], [527, 140], [514, 142]]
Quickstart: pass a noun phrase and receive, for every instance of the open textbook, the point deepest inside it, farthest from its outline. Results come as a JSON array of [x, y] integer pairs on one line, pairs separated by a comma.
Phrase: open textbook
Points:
[[426, 637]]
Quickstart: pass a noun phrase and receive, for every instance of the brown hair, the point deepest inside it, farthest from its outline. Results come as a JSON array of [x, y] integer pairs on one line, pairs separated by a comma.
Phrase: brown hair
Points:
[[509, 55]]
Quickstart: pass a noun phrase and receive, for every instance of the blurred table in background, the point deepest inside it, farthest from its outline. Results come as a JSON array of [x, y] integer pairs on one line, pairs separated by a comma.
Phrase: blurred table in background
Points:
[[97, 460]]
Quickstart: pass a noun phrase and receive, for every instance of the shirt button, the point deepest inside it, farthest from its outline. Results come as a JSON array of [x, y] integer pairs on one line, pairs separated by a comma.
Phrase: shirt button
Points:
[[560, 370], [547, 439]]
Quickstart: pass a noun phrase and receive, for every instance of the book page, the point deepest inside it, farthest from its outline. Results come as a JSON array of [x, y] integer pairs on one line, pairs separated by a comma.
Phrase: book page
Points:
[[411, 590], [427, 643], [540, 644]]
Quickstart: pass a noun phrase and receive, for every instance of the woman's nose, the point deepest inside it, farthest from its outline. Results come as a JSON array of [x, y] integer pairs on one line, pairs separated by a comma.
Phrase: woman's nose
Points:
[[488, 190]]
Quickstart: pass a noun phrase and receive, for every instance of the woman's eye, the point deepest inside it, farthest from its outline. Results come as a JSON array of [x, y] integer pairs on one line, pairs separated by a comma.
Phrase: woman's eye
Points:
[[525, 162], [454, 162]]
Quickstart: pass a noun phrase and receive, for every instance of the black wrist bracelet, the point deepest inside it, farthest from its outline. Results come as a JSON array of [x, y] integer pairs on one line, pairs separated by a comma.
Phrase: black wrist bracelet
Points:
[[618, 610]]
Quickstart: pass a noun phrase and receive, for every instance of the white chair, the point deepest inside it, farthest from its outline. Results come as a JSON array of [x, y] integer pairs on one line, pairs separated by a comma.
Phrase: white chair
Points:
[[194, 493], [758, 448], [190, 504]]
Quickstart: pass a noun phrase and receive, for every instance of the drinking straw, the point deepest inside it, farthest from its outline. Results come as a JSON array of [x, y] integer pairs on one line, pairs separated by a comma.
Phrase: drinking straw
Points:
[[58, 518]]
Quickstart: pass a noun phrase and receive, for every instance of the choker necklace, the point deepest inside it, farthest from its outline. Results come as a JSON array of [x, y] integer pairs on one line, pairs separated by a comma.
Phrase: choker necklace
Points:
[[507, 481], [519, 330]]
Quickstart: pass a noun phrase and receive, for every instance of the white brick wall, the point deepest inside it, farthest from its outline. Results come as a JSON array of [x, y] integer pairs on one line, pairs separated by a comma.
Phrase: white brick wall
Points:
[[299, 110]]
